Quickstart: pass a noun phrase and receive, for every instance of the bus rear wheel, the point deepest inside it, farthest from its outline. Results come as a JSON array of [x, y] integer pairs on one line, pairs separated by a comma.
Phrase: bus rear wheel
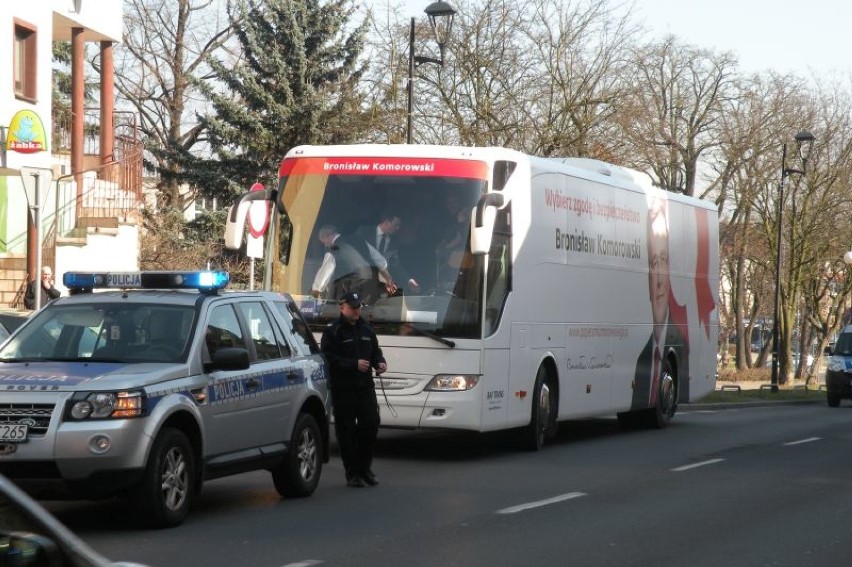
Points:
[[659, 416], [542, 424]]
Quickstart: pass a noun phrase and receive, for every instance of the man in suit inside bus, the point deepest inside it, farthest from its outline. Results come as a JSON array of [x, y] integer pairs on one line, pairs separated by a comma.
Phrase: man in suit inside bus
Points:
[[383, 239], [669, 318]]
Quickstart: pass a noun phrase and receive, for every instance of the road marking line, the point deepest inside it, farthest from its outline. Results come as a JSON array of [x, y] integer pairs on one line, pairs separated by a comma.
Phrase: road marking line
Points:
[[305, 563], [808, 440], [696, 465], [540, 503]]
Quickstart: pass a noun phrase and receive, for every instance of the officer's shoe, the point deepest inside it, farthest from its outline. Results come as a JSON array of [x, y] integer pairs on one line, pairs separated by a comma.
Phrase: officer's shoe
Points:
[[355, 482], [370, 478]]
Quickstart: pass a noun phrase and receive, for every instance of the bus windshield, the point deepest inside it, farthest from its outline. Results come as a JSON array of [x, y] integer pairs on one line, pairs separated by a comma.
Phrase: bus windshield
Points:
[[330, 242]]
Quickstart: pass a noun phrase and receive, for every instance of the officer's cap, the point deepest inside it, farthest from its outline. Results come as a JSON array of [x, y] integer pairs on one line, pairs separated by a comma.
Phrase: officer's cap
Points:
[[353, 299]]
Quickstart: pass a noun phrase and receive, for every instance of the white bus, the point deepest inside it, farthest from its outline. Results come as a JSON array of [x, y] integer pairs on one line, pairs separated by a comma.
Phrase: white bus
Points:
[[539, 282]]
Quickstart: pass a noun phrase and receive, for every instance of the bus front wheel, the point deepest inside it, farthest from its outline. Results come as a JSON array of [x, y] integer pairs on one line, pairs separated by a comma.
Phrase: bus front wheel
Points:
[[542, 424]]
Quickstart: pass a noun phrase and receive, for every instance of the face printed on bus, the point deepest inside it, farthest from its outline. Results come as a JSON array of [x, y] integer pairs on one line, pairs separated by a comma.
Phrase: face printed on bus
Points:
[[658, 263]]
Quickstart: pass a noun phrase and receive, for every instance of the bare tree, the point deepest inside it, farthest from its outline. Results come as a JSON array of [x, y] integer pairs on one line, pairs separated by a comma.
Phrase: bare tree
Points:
[[741, 175], [166, 43], [540, 76], [672, 117], [581, 52]]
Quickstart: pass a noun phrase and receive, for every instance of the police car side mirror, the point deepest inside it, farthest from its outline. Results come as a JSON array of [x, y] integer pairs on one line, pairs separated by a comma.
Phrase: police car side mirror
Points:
[[229, 358]]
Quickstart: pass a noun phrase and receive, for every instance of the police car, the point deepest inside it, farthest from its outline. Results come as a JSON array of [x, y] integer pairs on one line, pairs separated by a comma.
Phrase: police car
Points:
[[146, 384]]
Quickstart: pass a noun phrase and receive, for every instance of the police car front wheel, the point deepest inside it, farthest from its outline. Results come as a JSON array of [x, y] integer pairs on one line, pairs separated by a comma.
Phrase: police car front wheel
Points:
[[165, 493], [299, 473]]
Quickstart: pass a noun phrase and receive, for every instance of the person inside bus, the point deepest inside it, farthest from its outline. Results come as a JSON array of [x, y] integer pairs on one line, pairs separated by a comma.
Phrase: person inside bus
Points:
[[449, 253], [668, 317], [382, 238], [346, 268]]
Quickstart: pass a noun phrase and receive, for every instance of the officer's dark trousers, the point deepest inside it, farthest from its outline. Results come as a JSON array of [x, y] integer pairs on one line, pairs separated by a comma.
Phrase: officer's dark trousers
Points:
[[356, 422]]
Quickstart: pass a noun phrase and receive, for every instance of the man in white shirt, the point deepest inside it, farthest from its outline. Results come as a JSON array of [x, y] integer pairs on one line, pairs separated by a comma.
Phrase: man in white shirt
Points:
[[346, 268]]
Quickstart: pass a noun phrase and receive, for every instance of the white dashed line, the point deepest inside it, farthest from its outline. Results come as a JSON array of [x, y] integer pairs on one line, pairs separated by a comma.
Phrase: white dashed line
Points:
[[696, 465], [540, 503], [305, 563], [808, 440]]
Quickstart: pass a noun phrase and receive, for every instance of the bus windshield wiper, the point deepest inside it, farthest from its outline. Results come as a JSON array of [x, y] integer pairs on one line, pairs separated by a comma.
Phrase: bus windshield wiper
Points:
[[433, 336]]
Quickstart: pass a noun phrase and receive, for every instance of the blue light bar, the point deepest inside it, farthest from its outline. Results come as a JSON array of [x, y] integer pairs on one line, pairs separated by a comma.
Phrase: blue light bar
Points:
[[202, 281]]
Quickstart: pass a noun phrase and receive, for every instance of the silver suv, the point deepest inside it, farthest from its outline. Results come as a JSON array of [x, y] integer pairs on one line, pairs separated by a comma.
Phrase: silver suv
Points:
[[148, 390]]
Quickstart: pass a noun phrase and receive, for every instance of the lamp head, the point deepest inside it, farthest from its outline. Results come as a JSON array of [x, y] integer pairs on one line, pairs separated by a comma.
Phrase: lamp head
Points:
[[804, 142], [441, 16]]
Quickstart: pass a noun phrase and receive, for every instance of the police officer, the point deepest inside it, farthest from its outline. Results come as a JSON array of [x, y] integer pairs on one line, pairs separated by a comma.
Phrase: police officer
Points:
[[352, 350]]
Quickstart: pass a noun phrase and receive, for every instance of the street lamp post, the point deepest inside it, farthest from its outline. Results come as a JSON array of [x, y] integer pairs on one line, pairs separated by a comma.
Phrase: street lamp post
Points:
[[804, 141], [441, 16]]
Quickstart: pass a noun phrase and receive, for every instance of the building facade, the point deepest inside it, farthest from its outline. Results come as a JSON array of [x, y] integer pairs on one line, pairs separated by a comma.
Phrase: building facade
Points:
[[70, 182]]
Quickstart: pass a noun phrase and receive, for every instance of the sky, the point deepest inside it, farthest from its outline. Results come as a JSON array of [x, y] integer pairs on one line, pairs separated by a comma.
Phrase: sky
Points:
[[808, 38]]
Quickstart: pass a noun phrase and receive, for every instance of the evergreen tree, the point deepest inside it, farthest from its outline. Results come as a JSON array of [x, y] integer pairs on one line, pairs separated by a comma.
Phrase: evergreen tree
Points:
[[295, 81]]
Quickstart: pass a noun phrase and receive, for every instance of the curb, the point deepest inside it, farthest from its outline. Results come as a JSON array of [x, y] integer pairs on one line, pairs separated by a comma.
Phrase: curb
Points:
[[736, 405]]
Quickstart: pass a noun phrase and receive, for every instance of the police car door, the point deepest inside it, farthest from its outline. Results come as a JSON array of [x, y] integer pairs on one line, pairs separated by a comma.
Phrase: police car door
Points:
[[242, 402], [272, 364]]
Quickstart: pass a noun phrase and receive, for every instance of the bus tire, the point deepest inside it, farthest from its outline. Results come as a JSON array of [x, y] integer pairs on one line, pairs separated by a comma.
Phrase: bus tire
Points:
[[542, 424], [659, 416]]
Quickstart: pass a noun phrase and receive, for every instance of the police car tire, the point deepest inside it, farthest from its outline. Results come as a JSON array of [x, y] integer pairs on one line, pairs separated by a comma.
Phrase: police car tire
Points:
[[298, 475], [171, 456]]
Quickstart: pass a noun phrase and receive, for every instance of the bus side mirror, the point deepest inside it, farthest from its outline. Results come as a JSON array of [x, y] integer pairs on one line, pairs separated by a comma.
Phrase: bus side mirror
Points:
[[482, 226], [235, 226]]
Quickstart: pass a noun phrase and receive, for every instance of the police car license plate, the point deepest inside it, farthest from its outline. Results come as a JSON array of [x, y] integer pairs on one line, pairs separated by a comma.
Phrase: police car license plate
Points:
[[13, 432]]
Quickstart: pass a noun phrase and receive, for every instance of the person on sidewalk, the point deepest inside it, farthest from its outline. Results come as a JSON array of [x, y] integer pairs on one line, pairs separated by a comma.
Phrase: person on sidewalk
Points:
[[352, 349], [48, 291]]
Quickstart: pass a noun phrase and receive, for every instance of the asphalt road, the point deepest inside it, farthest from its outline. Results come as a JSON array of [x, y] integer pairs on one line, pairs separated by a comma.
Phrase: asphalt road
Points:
[[750, 486]]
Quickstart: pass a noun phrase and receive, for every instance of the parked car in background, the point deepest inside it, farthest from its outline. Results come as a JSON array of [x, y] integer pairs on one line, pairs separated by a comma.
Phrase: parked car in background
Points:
[[9, 321]]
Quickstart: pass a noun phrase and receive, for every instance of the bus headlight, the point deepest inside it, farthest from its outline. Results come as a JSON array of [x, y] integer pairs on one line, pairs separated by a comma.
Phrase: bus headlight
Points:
[[452, 382]]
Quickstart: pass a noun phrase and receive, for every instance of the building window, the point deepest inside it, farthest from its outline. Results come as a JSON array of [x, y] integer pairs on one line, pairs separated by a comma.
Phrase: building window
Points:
[[206, 204], [24, 63]]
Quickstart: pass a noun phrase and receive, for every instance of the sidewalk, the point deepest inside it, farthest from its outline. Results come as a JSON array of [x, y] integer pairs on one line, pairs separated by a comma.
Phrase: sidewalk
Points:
[[734, 387], [729, 385]]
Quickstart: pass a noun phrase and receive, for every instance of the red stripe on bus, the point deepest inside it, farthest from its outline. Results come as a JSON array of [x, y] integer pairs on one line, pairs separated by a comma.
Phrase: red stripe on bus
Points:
[[426, 167]]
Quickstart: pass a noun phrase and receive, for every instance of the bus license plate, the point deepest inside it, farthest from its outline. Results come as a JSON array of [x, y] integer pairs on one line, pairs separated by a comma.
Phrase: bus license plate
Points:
[[13, 432]]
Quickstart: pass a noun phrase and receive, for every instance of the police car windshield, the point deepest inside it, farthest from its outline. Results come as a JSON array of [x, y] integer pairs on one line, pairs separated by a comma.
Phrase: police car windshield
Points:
[[104, 332]]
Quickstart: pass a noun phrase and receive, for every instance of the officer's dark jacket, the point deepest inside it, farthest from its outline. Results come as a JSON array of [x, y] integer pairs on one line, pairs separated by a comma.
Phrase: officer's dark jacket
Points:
[[343, 345]]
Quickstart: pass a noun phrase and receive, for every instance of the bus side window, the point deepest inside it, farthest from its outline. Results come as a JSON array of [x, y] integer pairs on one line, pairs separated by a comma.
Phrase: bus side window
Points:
[[498, 276]]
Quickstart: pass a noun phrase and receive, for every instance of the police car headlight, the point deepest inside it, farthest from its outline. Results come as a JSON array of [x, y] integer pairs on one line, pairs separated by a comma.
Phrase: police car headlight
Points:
[[836, 364], [102, 405], [452, 382]]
